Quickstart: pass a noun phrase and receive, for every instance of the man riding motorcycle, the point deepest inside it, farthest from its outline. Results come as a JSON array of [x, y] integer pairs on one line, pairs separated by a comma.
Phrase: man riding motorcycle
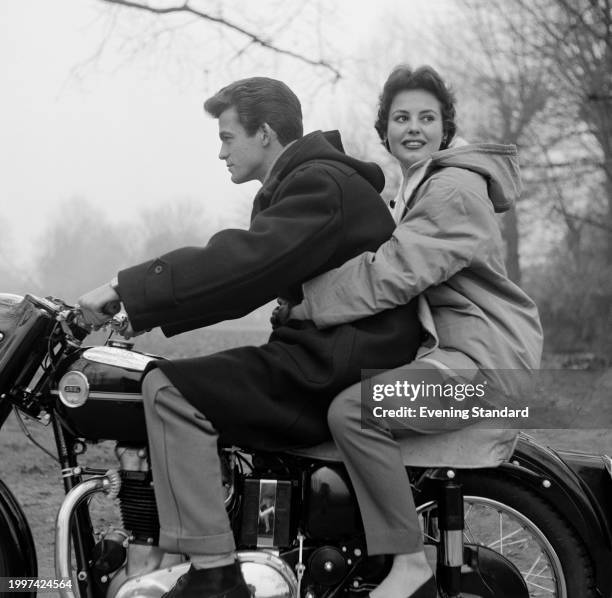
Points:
[[316, 209]]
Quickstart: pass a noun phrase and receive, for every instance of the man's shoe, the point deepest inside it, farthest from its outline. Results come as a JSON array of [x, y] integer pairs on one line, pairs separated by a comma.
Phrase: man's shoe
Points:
[[218, 582]]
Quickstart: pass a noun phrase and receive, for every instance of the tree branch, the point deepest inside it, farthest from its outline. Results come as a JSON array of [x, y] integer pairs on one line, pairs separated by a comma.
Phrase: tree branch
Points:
[[597, 223], [579, 15], [254, 38]]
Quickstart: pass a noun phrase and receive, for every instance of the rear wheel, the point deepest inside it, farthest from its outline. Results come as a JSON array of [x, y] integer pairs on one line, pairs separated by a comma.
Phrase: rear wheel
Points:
[[526, 530]]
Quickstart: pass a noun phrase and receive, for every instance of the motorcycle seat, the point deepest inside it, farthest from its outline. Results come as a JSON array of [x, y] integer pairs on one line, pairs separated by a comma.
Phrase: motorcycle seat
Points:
[[471, 447]]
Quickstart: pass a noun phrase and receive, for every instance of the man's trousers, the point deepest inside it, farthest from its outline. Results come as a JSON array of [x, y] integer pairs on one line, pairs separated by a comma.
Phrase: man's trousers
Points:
[[186, 472]]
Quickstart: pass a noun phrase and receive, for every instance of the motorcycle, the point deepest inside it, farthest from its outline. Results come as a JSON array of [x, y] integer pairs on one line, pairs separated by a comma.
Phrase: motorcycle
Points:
[[537, 525]]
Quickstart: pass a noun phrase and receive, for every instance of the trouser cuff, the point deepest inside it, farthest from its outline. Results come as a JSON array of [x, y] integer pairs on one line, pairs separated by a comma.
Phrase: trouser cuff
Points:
[[217, 544]]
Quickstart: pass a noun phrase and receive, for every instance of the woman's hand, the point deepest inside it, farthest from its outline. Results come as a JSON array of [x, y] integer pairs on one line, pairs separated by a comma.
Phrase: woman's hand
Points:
[[285, 311], [298, 312], [281, 314]]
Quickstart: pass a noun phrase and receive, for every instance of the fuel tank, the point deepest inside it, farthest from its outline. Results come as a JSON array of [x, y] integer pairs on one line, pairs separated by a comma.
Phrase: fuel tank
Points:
[[109, 380]]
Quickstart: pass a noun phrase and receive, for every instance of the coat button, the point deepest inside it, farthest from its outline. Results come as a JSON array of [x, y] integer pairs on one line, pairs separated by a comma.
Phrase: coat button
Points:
[[158, 269]]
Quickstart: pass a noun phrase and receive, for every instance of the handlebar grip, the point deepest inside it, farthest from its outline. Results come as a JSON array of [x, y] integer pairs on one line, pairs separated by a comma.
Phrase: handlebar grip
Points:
[[112, 308]]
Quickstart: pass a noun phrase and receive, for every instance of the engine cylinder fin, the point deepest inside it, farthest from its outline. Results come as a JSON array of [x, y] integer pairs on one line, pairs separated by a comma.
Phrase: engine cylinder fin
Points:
[[138, 507]]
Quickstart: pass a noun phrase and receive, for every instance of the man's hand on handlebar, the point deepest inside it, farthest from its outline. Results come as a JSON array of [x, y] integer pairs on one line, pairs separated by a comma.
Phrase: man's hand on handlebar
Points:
[[99, 306]]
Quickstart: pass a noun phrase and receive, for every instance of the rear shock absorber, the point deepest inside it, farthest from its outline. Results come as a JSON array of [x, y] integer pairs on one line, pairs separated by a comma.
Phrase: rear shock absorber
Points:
[[450, 508]]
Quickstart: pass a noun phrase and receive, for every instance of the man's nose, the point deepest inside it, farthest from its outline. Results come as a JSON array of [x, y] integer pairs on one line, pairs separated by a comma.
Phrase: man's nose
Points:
[[223, 153]]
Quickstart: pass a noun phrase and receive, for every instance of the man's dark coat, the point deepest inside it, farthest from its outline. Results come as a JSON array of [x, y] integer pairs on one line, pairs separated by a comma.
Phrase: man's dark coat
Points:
[[318, 208]]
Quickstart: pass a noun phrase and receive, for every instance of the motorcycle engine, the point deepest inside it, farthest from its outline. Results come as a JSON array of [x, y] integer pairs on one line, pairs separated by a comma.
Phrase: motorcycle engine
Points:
[[138, 514], [137, 498], [138, 543]]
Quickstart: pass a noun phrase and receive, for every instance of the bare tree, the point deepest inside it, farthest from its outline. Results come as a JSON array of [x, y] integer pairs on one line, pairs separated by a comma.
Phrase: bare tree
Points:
[[80, 249], [574, 38], [506, 90], [172, 225], [227, 32]]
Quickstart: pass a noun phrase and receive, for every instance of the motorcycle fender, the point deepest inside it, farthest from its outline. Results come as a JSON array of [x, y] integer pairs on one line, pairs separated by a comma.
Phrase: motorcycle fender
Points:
[[547, 475], [16, 542]]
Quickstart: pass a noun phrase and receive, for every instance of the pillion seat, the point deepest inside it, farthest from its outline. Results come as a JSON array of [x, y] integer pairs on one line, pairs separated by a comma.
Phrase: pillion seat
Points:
[[472, 447]]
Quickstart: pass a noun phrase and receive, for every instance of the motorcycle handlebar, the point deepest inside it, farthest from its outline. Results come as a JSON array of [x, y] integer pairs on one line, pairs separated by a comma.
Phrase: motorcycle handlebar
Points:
[[118, 323], [70, 316]]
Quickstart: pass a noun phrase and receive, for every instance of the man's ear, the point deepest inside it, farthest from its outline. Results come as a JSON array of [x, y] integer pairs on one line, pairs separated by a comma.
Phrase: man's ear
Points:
[[268, 134]]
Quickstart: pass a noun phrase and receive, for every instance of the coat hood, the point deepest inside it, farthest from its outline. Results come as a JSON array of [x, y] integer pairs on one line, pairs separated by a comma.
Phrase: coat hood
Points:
[[497, 163], [316, 146], [327, 145]]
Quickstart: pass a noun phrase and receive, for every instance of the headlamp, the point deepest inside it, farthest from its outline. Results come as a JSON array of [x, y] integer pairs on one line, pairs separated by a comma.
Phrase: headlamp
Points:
[[73, 389]]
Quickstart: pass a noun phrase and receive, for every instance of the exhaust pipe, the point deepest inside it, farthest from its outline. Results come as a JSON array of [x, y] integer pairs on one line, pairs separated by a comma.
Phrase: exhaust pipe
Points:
[[110, 484]]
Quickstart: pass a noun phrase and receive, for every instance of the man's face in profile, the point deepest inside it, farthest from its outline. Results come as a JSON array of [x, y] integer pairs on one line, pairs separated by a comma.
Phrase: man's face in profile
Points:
[[244, 155]]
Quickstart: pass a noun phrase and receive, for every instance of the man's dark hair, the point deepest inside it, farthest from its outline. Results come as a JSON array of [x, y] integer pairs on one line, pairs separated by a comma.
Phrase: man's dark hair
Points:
[[260, 100], [403, 78]]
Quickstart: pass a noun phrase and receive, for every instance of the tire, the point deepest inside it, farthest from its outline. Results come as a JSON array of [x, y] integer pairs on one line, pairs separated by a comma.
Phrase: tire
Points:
[[9, 567], [17, 551], [512, 520]]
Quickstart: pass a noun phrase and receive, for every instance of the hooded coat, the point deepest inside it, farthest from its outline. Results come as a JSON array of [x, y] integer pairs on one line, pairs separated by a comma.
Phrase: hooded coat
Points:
[[447, 247], [317, 209]]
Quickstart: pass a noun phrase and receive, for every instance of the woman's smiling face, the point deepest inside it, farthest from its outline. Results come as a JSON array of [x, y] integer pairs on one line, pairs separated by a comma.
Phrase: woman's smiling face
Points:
[[414, 130]]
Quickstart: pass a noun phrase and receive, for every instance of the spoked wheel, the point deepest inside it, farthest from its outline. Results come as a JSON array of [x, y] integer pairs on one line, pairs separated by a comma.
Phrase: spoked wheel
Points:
[[527, 531]]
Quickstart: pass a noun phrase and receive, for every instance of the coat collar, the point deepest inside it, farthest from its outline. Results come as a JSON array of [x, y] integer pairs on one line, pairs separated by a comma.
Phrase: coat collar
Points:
[[278, 172]]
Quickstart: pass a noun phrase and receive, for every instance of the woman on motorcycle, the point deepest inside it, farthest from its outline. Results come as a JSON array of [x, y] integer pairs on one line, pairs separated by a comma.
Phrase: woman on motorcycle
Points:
[[447, 248]]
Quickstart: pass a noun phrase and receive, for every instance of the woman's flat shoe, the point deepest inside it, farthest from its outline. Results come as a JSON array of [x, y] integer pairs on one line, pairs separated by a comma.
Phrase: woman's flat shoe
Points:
[[428, 590]]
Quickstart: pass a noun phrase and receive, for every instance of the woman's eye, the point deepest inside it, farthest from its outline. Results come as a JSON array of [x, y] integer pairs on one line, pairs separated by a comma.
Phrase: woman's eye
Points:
[[429, 119], [401, 118]]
